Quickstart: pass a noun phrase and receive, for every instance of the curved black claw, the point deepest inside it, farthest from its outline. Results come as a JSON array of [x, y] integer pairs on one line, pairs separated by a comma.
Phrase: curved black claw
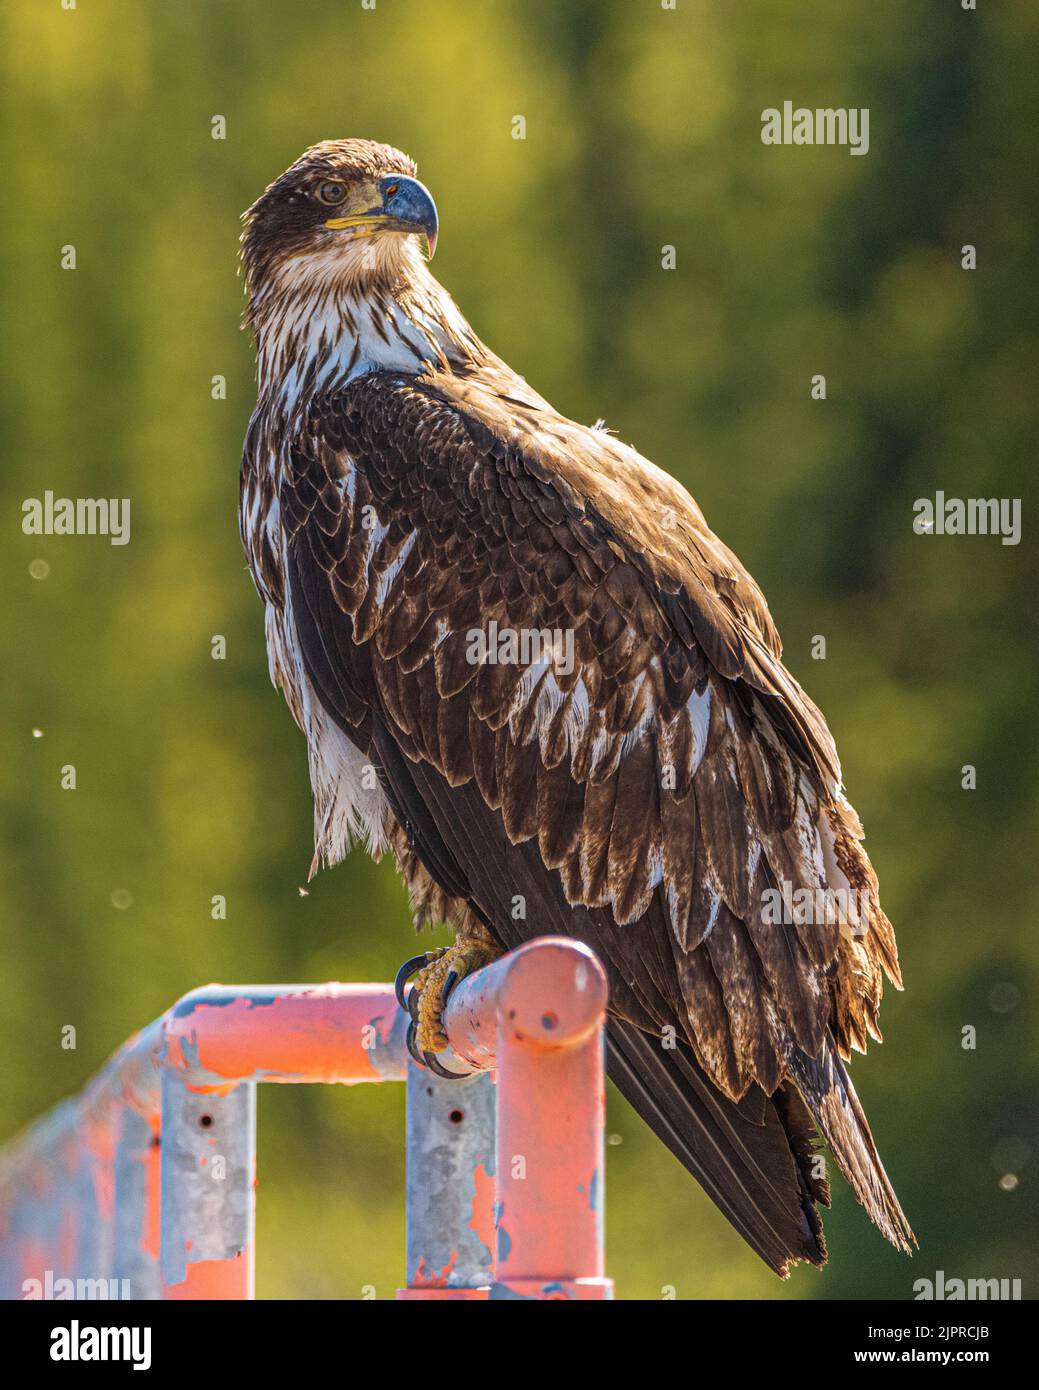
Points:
[[430, 1059], [404, 974]]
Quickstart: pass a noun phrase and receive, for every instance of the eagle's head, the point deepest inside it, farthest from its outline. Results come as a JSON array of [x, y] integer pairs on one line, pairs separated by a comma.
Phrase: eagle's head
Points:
[[348, 212]]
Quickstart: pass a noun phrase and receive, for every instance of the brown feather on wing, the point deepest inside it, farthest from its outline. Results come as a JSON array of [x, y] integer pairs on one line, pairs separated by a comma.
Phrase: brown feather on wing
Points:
[[668, 781]]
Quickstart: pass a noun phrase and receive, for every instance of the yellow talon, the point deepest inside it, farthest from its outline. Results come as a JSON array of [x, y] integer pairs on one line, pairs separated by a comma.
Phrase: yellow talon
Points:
[[465, 956]]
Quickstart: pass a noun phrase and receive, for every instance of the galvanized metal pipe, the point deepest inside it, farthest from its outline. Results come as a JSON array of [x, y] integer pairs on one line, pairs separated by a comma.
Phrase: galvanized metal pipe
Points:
[[450, 1186], [208, 1182]]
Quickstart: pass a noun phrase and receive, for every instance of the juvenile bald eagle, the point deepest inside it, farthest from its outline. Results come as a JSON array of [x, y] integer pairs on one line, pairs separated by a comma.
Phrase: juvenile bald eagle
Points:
[[525, 665]]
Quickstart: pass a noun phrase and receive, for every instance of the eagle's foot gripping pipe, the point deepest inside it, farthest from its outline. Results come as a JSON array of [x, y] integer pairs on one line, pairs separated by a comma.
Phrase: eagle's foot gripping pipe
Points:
[[433, 976]]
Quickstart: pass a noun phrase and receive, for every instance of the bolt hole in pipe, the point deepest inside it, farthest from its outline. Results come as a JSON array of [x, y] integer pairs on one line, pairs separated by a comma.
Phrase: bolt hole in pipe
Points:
[[549, 1021], [205, 1121], [456, 1116]]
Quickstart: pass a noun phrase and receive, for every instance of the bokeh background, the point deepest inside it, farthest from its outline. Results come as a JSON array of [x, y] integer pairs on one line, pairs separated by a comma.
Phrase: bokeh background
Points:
[[642, 130]]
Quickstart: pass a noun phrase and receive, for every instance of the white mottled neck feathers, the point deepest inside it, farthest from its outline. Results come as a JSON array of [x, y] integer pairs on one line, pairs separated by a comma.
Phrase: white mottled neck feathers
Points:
[[322, 320]]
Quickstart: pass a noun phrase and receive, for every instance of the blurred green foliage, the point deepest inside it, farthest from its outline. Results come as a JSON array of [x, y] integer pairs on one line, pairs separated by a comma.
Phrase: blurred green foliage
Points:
[[643, 130]]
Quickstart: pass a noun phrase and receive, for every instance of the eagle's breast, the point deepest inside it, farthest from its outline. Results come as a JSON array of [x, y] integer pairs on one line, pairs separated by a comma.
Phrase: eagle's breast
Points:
[[349, 803]]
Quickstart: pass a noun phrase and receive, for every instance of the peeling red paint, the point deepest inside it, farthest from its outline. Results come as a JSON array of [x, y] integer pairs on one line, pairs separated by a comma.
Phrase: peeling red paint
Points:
[[214, 1279], [482, 1220], [434, 1281]]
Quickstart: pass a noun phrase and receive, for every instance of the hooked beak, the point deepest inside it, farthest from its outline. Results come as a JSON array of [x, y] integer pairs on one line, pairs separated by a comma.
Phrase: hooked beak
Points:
[[406, 207]]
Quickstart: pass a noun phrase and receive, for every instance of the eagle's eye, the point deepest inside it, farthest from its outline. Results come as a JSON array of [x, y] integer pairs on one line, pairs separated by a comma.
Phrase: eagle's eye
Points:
[[331, 192]]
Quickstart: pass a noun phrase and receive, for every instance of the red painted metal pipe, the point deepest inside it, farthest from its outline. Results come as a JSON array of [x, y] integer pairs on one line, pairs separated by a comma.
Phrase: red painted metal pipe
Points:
[[537, 1016], [221, 1035]]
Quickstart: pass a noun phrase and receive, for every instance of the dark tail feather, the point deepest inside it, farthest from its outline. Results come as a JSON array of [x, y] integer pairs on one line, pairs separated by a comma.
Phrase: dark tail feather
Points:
[[751, 1158], [827, 1091]]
